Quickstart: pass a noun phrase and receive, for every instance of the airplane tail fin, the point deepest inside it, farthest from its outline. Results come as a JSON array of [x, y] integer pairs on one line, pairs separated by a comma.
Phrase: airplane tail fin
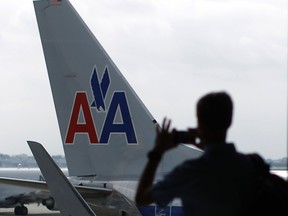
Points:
[[105, 128]]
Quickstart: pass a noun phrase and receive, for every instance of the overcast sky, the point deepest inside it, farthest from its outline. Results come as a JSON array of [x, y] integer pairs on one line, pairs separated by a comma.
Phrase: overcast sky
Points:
[[172, 52]]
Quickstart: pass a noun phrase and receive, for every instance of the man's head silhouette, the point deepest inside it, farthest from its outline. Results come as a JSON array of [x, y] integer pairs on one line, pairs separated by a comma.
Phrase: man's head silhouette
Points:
[[214, 113]]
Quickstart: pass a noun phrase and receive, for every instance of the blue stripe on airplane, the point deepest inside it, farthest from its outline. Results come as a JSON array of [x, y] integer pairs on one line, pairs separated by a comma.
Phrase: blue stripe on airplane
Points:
[[158, 211]]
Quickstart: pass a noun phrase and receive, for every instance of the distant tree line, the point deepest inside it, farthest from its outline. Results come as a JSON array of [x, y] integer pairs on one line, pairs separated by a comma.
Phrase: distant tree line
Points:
[[23, 160], [279, 163], [27, 161]]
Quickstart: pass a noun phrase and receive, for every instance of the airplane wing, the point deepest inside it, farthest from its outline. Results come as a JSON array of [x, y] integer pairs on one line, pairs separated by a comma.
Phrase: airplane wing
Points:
[[37, 185], [18, 192], [40, 185], [69, 201], [38, 192]]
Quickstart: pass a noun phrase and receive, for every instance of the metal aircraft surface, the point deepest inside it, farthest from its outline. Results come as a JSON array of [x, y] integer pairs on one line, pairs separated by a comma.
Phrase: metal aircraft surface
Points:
[[105, 128]]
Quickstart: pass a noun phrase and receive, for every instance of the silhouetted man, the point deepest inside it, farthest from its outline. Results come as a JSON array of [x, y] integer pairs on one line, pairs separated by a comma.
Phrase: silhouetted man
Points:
[[217, 183]]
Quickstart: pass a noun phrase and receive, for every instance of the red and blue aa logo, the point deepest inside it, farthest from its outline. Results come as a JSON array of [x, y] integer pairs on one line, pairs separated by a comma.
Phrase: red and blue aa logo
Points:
[[118, 105]]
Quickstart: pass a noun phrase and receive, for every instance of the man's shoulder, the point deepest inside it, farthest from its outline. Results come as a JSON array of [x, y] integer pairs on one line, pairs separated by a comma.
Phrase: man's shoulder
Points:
[[191, 165]]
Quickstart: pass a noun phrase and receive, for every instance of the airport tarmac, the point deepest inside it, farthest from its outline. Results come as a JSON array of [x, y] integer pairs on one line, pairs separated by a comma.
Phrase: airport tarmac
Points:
[[33, 209]]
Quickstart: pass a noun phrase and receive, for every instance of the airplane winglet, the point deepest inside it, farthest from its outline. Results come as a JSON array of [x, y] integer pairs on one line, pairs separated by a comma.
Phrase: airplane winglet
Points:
[[68, 200]]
